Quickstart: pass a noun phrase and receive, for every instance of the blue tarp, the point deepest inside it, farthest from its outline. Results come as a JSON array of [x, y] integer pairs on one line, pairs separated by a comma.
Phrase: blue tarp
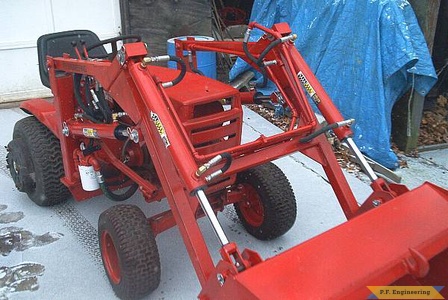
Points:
[[366, 53]]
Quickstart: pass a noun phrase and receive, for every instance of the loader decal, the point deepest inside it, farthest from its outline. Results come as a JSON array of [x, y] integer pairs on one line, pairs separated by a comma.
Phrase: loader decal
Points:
[[155, 118], [308, 87]]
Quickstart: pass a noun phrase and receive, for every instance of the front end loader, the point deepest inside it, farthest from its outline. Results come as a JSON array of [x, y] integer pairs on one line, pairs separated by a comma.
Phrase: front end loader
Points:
[[120, 123]]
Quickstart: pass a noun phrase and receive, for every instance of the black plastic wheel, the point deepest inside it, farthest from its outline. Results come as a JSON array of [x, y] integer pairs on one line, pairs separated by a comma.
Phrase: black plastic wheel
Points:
[[268, 208], [129, 251], [35, 162]]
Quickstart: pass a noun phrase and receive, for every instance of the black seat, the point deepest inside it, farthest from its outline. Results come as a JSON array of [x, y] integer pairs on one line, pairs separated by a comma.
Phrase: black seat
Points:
[[56, 44]]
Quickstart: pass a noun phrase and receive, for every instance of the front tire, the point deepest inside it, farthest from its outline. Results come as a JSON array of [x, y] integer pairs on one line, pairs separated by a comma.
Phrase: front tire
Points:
[[268, 208], [129, 251], [35, 162]]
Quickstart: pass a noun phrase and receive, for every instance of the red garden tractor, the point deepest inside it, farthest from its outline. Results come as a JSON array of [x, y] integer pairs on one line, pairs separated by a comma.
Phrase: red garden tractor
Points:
[[119, 123]]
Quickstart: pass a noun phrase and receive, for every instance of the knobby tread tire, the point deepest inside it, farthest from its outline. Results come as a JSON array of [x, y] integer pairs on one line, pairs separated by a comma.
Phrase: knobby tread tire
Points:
[[136, 248], [45, 151], [277, 198]]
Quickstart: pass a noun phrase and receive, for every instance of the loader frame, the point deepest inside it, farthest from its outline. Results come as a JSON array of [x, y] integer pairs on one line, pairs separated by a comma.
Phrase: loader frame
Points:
[[159, 117]]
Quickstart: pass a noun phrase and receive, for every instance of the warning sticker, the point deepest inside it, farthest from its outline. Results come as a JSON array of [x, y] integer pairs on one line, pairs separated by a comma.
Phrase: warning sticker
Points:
[[155, 118], [90, 133], [308, 87]]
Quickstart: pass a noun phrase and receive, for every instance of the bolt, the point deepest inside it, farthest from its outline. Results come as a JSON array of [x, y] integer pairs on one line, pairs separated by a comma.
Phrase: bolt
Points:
[[133, 135], [221, 279], [65, 130], [121, 57], [376, 203]]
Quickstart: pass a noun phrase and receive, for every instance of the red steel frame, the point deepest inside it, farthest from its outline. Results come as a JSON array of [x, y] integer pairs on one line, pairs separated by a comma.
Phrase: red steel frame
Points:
[[138, 90]]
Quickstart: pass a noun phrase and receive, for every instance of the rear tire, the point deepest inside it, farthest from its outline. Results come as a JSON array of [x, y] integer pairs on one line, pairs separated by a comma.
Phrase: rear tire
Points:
[[35, 162], [129, 251], [268, 209]]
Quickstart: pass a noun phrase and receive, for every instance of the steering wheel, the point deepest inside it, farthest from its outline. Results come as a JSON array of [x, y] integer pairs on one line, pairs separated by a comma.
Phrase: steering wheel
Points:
[[113, 42]]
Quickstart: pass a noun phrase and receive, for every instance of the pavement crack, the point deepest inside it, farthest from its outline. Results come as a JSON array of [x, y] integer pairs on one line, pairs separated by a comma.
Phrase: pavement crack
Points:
[[431, 163], [292, 156]]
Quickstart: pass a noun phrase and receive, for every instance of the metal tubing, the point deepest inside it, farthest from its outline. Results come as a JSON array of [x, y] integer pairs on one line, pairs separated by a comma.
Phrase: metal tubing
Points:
[[362, 161], [242, 79], [208, 210]]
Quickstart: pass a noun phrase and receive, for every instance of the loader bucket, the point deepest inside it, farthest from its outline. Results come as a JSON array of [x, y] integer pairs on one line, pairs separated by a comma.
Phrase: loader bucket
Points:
[[378, 248]]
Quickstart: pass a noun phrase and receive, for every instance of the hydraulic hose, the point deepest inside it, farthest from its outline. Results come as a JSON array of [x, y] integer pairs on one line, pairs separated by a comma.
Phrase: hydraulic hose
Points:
[[102, 102], [88, 113], [111, 195], [194, 70], [255, 61], [324, 129], [118, 197], [166, 58], [228, 159], [259, 61], [183, 71], [99, 101], [90, 160], [215, 160], [103, 105], [246, 51], [77, 85]]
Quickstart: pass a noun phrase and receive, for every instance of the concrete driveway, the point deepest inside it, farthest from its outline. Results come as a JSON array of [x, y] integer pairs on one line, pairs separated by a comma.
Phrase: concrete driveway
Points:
[[53, 253]]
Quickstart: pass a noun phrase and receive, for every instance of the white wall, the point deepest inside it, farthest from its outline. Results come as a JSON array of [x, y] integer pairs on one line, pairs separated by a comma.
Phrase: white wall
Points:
[[21, 24]]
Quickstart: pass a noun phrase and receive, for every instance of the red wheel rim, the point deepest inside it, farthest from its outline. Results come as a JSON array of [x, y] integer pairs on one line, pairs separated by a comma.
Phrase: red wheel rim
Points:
[[110, 257], [251, 207]]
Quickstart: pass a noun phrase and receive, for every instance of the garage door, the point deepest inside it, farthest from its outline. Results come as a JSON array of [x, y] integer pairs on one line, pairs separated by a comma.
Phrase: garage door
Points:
[[23, 21]]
